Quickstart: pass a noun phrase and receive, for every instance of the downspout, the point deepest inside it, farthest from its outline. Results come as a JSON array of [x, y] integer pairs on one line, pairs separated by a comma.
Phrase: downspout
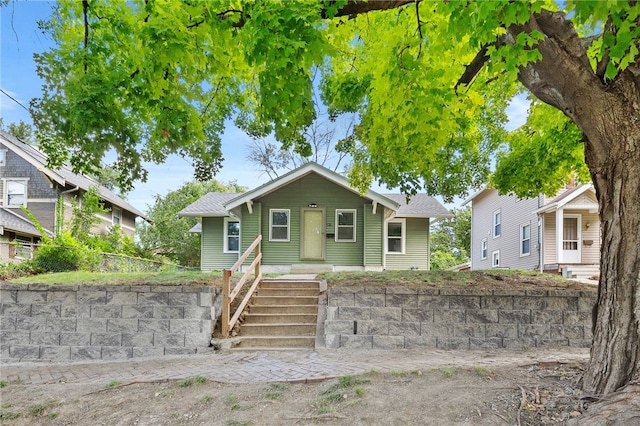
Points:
[[59, 219]]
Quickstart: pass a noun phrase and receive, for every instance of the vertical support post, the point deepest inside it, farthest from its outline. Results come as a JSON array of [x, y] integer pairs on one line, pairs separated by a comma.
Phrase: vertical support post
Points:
[[256, 253], [559, 235], [226, 302]]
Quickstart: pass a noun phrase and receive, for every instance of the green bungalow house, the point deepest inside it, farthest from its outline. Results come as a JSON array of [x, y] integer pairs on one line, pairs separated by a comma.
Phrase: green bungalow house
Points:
[[312, 220]]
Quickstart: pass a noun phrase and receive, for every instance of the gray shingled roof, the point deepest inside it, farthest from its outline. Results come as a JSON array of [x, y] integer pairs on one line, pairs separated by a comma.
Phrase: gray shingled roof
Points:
[[420, 205], [209, 205], [65, 172], [13, 222]]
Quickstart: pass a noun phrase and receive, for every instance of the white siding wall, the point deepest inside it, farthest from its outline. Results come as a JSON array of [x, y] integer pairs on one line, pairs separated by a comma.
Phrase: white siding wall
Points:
[[515, 212]]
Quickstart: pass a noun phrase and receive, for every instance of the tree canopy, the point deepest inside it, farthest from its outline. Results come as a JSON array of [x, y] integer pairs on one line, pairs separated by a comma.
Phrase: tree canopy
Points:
[[168, 235], [429, 81]]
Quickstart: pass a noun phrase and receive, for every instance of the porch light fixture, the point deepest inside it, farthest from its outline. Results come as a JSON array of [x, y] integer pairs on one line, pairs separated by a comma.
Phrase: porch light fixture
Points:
[[312, 205]]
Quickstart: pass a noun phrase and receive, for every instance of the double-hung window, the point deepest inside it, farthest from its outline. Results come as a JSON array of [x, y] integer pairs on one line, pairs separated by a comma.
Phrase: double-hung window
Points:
[[231, 235], [279, 220], [346, 225], [3, 157], [15, 192], [497, 223], [396, 236], [116, 216], [525, 239], [483, 249]]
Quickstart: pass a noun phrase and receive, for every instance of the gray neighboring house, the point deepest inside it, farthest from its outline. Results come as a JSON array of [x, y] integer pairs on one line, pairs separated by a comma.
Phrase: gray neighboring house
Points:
[[312, 219], [25, 180], [549, 234]]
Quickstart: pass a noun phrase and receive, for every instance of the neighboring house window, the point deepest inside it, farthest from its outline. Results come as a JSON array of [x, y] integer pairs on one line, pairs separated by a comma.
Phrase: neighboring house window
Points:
[[483, 249], [116, 216], [231, 235], [16, 192], [3, 157], [495, 259], [279, 224], [345, 225], [23, 247], [525, 239], [497, 223], [395, 236]]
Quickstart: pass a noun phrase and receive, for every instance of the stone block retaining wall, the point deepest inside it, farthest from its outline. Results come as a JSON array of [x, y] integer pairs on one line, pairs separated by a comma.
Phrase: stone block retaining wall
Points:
[[391, 318], [59, 322]]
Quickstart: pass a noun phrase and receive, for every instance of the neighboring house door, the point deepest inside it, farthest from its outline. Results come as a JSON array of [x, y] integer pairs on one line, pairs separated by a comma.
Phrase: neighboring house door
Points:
[[312, 244], [571, 239]]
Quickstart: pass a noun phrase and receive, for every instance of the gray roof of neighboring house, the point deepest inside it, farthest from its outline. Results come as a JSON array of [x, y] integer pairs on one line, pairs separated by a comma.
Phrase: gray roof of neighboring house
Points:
[[65, 175], [209, 205], [13, 222], [420, 205]]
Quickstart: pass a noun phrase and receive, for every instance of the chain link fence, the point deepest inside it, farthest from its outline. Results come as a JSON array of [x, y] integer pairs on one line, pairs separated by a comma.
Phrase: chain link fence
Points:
[[65, 258]]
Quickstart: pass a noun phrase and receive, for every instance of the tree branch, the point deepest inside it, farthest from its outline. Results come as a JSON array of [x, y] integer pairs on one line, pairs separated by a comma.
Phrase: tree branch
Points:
[[85, 14], [474, 67]]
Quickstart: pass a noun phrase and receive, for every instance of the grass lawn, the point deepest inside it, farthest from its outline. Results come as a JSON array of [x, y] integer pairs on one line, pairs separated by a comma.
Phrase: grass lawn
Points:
[[501, 279]]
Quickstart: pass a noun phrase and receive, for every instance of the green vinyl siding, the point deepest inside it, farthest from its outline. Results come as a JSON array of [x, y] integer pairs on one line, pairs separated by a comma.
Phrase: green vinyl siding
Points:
[[416, 247], [312, 189], [250, 228], [373, 227], [212, 240]]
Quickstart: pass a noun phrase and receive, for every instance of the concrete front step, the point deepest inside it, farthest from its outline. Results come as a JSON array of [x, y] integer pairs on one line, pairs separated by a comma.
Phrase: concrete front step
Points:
[[280, 318], [283, 309], [284, 300], [277, 342], [312, 292], [294, 329]]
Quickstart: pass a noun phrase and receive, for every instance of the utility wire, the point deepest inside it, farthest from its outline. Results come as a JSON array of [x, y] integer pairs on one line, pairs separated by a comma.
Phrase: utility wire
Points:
[[14, 100]]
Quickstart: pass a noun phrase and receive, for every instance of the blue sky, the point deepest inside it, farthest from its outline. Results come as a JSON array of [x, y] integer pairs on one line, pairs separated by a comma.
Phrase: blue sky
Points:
[[20, 39]]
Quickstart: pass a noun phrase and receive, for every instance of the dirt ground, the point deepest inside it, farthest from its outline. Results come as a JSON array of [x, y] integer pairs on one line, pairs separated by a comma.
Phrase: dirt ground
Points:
[[515, 395]]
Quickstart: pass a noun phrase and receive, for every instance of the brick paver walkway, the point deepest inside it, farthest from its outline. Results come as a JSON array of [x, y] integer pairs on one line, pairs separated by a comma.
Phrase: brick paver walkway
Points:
[[277, 366]]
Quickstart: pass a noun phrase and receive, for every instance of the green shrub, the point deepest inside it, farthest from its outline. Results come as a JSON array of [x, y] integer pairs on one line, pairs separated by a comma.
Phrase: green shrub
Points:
[[10, 270], [63, 254]]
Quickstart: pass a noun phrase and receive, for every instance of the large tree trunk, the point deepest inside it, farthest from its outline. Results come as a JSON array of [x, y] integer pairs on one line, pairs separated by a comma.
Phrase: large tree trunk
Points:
[[608, 113]]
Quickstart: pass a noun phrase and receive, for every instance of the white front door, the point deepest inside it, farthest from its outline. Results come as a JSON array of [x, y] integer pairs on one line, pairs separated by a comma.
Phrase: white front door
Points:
[[571, 239]]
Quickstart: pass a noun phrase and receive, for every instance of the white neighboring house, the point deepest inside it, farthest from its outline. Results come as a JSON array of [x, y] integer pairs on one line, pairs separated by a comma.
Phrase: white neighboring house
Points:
[[550, 234]]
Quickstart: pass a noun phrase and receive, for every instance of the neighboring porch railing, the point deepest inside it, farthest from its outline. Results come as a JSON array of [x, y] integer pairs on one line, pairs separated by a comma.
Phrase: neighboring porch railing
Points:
[[229, 295]]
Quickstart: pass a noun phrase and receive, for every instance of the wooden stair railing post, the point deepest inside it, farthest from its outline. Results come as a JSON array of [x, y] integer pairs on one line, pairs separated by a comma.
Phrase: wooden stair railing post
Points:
[[226, 302], [228, 321]]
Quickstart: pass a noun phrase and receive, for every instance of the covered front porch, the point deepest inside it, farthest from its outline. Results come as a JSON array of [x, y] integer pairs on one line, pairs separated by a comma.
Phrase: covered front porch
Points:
[[570, 229]]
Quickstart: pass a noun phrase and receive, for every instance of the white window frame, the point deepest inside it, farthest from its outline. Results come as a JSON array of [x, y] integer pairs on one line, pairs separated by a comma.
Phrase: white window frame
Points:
[[522, 239], [5, 185], [353, 227], [495, 255], [225, 232], [288, 225], [3, 157], [116, 216], [497, 222], [484, 249], [24, 246], [403, 236]]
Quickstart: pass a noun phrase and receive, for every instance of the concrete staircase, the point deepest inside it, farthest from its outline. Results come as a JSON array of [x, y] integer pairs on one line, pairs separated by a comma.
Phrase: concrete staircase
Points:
[[582, 272], [282, 314]]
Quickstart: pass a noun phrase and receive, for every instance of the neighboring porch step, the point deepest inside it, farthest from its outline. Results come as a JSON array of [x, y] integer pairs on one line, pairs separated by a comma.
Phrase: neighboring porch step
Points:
[[277, 342], [279, 317], [283, 329]]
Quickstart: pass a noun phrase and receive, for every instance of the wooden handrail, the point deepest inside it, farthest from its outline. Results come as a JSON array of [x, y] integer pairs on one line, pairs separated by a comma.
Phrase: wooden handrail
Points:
[[228, 296]]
